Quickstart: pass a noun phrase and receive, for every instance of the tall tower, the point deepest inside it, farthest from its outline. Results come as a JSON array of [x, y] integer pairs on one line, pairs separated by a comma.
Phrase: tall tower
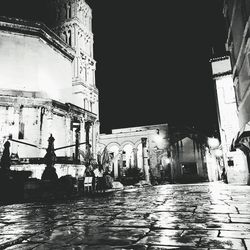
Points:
[[73, 23]]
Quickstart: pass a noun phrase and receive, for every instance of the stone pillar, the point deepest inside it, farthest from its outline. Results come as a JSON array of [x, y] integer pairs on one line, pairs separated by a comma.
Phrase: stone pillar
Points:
[[135, 157], [50, 120], [87, 128], [145, 159], [95, 137], [120, 167], [77, 140], [116, 169], [14, 146], [68, 135], [172, 166]]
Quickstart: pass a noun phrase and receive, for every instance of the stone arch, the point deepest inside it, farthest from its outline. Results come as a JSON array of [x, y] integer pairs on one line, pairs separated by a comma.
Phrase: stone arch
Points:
[[124, 143], [137, 143], [127, 154], [109, 145]]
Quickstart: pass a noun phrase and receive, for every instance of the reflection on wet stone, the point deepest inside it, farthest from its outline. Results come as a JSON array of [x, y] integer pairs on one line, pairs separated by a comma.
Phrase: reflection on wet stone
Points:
[[162, 217]]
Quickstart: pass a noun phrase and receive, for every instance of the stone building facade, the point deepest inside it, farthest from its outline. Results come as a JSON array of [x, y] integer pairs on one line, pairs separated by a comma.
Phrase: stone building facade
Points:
[[237, 14], [188, 151], [235, 162], [158, 149], [47, 82], [136, 147]]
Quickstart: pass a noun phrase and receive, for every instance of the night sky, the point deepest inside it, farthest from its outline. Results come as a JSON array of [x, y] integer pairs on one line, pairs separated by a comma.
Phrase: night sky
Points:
[[152, 60]]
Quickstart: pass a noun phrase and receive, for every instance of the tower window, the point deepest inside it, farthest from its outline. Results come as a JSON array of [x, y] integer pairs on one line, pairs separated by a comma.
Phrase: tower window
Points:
[[64, 37], [70, 38], [21, 131], [68, 10]]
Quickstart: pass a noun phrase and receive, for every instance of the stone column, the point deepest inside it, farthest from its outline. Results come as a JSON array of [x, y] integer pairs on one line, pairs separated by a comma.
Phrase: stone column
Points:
[[88, 146], [135, 157], [116, 169], [120, 167], [77, 140], [16, 128], [95, 137], [87, 128], [50, 119], [145, 158], [68, 138], [172, 166]]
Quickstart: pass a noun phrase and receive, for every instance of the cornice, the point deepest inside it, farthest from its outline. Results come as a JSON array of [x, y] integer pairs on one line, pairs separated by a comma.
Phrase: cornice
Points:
[[39, 30]]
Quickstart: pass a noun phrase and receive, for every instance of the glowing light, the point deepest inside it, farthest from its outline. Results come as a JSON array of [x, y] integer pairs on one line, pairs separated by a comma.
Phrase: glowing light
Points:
[[218, 153], [165, 161], [213, 143]]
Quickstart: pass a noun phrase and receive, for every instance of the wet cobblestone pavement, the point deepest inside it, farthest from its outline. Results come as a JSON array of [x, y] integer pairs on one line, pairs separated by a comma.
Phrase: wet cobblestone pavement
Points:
[[206, 216]]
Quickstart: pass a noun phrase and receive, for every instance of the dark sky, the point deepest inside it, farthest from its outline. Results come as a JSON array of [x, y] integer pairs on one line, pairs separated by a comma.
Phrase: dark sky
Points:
[[153, 61]]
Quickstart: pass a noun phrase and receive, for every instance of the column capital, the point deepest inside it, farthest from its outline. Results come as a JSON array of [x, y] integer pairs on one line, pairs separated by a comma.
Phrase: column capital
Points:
[[135, 150], [88, 124]]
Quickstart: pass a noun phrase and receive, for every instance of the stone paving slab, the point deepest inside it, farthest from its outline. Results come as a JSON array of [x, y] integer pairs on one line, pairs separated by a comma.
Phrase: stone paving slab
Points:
[[170, 241], [24, 246], [222, 243], [193, 216], [235, 234], [128, 223], [175, 208], [8, 238], [175, 248], [201, 233]]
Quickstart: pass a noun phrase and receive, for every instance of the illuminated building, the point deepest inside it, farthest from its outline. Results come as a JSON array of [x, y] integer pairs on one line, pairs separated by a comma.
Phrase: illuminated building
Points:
[[236, 15], [47, 81], [234, 160], [179, 154]]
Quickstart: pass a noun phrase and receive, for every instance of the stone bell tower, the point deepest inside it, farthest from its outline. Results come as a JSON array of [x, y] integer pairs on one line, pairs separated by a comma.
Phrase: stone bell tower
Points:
[[71, 20], [73, 23]]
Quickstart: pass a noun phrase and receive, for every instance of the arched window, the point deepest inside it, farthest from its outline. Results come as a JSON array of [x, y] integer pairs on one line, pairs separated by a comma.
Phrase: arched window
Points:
[[69, 10], [85, 103], [70, 38], [128, 157], [64, 36], [66, 11]]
